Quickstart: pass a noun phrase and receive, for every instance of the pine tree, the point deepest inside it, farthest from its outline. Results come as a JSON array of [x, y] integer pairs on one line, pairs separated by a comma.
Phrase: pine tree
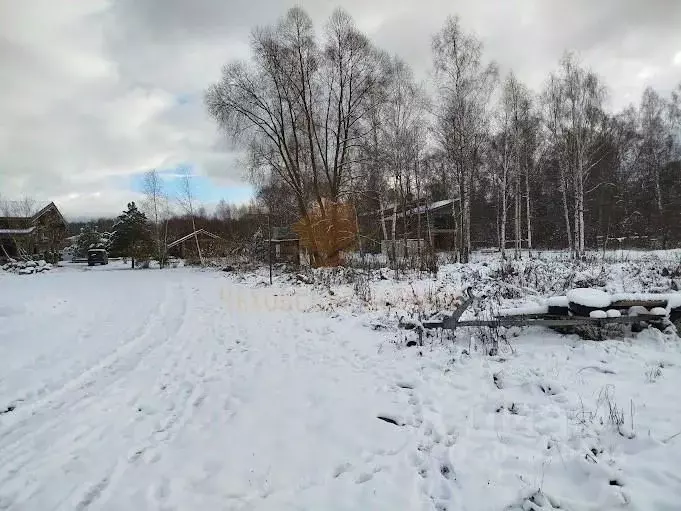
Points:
[[132, 235], [89, 238]]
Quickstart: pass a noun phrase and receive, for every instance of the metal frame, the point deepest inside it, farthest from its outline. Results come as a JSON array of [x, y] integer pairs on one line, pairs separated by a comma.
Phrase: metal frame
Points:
[[452, 322]]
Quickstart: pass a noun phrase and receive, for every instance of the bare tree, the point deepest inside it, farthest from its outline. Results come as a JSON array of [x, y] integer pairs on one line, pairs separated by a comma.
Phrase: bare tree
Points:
[[156, 206], [556, 131], [578, 126], [503, 150], [465, 85], [402, 124], [658, 125], [187, 202], [301, 104]]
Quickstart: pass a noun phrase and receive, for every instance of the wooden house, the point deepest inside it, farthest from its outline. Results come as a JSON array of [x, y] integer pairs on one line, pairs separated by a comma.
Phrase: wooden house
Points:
[[31, 236], [425, 224]]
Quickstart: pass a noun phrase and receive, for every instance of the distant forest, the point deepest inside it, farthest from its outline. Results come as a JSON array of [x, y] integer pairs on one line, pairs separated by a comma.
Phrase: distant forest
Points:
[[325, 115]]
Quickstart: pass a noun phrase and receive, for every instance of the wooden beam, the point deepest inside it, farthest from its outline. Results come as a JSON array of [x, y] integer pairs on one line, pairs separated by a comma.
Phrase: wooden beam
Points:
[[451, 323]]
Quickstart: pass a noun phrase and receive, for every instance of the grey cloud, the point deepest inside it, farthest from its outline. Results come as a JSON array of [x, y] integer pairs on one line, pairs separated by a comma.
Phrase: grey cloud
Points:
[[90, 91]]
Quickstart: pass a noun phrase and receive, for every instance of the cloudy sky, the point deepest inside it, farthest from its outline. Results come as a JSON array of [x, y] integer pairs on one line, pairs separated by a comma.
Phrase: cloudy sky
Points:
[[95, 92]]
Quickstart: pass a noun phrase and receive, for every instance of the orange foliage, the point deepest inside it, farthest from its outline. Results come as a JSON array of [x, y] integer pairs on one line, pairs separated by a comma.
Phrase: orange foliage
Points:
[[327, 231]]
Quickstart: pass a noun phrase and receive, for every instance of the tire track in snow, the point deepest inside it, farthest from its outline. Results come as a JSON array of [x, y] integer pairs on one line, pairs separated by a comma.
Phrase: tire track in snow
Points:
[[181, 379], [90, 389], [105, 486], [84, 379], [190, 386]]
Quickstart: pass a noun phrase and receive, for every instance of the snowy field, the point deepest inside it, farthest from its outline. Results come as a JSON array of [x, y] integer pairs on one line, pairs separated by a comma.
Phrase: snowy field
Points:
[[187, 389]]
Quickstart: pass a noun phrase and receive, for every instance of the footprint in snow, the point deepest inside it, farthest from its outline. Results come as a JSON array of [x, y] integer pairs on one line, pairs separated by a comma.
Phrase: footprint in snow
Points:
[[341, 469], [364, 477]]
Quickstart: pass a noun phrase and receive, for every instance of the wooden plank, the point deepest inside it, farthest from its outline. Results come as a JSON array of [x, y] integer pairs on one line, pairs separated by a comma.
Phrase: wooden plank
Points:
[[524, 321], [453, 320], [648, 304]]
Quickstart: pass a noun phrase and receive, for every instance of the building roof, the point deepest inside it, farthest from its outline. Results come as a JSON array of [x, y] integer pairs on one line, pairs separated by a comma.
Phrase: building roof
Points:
[[14, 232], [18, 210], [283, 233], [51, 206], [432, 207]]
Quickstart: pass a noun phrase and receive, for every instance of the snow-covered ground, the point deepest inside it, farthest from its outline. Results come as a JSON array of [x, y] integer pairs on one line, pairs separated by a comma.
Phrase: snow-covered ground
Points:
[[188, 389]]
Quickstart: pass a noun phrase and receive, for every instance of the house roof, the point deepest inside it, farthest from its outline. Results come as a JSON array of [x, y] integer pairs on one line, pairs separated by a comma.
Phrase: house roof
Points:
[[432, 207], [51, 206], [283, 233], [16, 209], [14, 232], [191, 234], [389, 209]]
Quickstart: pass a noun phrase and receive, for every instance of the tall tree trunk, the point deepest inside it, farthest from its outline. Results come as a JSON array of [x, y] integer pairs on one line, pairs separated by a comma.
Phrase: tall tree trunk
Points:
[[527, 208], [384, 229], [582, 244], [418, 216], [662, 227], [579, 206], [504, 214], [393, 242], [405, 227], [466, 241], [518, 234], [576, 217], [498, 219], [462, 208], [566, 209], [196, 238]]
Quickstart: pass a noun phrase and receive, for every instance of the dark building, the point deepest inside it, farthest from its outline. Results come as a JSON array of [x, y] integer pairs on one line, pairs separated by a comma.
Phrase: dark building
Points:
[[285, 245], [212, 246], [39, 235]]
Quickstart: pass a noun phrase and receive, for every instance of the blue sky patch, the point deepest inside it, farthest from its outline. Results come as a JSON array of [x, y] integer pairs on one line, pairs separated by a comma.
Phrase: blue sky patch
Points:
[[205, 189]]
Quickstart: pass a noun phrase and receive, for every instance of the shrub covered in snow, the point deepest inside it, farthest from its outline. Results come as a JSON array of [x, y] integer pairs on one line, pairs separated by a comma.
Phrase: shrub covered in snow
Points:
[[26, 267]]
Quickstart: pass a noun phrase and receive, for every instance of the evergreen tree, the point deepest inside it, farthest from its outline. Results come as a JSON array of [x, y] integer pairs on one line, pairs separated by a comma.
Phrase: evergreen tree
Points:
[[88, 238], [132, 235]]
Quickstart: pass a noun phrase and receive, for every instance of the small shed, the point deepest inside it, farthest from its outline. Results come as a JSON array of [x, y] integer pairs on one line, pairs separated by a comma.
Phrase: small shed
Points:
[[211, 245], [285, 245]]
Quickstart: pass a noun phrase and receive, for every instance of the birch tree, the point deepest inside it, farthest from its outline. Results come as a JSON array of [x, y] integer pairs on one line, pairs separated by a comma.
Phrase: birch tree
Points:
[[659, 123], [156, 206], [187, 200], [299, 104], [578, 125], [402, 123], [464, 85]]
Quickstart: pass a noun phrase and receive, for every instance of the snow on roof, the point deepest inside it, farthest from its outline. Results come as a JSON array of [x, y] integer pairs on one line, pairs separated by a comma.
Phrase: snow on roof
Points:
[[430, 207], [50, 207], [28, 230]]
